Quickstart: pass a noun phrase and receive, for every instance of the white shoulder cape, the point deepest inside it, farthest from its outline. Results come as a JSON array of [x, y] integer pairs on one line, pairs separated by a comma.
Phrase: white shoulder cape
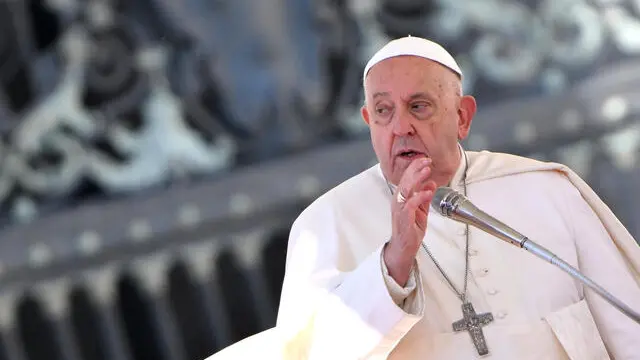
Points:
[[274, 343]]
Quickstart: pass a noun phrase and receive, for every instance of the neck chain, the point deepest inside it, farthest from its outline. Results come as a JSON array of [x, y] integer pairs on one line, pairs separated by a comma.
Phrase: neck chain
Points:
[[461, 295], [471, 321]]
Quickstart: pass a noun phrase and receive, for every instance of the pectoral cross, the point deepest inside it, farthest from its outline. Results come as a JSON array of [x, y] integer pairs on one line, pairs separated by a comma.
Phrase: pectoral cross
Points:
[[473, 323]]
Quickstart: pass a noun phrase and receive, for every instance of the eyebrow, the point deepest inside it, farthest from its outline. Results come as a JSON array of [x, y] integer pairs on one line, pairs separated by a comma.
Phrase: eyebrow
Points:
[[412, 97], [380, 94], [419, 95]]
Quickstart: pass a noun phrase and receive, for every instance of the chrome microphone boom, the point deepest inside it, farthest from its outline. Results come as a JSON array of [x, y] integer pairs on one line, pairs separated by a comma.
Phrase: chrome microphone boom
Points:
[[456, 206]]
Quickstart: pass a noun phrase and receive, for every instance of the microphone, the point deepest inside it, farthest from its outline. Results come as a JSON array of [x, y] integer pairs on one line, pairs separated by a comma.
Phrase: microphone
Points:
[[454, 205]]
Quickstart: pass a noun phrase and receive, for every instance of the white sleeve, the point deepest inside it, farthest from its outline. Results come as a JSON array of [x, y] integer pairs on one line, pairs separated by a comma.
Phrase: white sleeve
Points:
[[397, 292], [600, 260], [331, 312]]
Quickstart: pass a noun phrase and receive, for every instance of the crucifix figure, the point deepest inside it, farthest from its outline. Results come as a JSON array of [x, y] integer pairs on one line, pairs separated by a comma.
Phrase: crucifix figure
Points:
[[473, 323]]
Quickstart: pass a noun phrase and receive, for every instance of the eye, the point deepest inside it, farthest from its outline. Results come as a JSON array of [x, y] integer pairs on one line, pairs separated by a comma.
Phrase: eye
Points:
[[382, 110], [420, 106]]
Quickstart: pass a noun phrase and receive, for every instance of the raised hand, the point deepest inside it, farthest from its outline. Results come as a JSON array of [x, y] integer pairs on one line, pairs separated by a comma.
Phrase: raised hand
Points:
[[409, 213]]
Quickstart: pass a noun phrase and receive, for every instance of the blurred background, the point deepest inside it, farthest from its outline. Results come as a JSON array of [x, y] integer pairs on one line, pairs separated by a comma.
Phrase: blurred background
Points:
[[153, 153]]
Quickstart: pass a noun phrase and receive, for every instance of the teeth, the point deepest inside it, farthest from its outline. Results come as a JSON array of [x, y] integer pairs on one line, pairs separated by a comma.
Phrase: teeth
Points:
[[408, 153]]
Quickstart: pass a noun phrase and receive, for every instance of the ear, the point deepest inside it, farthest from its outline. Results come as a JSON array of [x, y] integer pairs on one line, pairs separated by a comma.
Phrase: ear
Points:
[[365, 114], [466, 112]]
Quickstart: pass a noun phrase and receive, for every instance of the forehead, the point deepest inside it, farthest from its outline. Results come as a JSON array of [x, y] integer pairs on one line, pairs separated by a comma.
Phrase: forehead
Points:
[[408, 74]]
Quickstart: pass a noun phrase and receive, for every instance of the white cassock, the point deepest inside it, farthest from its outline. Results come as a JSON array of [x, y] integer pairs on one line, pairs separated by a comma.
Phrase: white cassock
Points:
[[338, 303]]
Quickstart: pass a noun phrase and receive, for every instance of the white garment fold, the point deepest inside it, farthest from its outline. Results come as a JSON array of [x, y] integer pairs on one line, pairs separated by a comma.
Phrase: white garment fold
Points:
[[337, 301]]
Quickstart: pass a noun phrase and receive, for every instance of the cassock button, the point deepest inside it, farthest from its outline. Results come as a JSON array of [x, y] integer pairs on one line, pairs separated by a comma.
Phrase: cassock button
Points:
[[483, 272], [473, 252], [492, 292]]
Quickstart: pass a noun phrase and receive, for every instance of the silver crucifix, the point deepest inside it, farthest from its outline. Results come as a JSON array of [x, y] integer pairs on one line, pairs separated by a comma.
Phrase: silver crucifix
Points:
[[473, 323]]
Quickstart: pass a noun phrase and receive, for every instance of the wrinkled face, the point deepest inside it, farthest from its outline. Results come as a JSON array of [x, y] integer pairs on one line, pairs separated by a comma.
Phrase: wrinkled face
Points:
[[414, 109]]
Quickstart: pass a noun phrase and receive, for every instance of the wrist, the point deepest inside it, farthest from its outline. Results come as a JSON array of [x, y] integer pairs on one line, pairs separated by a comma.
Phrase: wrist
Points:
[[398, 268]]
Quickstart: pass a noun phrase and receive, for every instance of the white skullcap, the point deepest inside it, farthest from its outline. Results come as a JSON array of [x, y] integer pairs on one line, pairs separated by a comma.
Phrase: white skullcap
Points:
[[414, 46]]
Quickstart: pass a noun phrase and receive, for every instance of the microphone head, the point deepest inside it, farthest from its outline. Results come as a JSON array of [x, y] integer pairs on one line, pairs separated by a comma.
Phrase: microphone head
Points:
[[440, 194], [445, 200]]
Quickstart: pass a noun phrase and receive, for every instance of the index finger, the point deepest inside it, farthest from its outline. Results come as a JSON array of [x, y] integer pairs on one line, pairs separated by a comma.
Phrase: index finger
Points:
[[417, 165], [414, 175]]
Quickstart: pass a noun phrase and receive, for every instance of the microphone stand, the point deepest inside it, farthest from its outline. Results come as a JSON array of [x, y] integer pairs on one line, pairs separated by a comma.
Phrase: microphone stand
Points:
[[456, 206]]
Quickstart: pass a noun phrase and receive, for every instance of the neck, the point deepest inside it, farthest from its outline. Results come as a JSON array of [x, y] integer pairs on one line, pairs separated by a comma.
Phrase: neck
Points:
[[459, 174], [456, 168]]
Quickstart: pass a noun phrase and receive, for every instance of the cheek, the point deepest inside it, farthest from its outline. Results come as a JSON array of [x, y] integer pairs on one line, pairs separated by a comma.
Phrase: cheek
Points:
[[437, 137], [381, 144]]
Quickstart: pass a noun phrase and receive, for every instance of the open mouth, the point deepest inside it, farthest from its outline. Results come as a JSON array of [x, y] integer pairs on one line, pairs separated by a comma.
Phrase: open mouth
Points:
[[410, 154]]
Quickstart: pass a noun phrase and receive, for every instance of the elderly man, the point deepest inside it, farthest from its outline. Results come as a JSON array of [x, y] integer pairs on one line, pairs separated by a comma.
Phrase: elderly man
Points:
[[373, 273]]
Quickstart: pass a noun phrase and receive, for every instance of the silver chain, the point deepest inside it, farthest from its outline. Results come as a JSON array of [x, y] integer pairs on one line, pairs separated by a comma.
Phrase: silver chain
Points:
[[462, 296]]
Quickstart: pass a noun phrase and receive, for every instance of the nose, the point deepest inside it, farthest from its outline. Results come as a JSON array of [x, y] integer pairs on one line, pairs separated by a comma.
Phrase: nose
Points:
[[402, 125]]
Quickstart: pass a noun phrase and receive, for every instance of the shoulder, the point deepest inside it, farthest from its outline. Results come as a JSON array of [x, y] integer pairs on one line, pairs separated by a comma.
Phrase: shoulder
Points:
[[546, 178], [485, 165], [340, 198], [550, 183]]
